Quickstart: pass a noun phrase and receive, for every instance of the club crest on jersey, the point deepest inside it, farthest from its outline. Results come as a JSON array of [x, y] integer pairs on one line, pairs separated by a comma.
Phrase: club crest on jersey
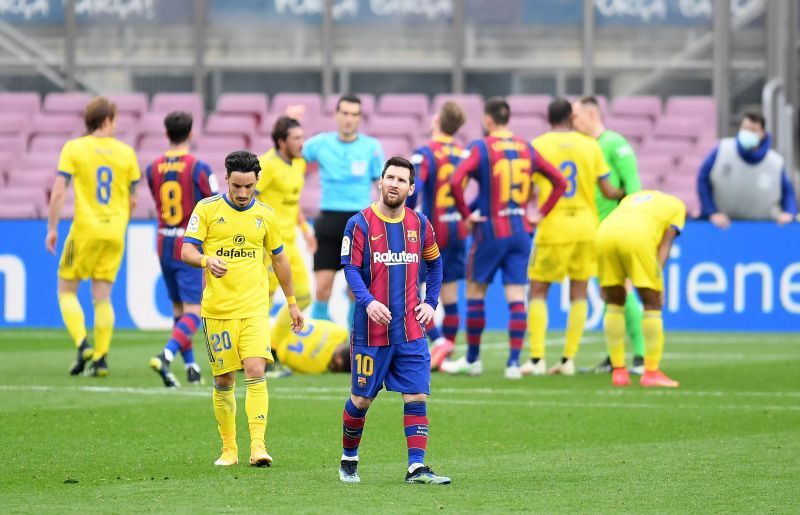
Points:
[[362, 381], [259, 223], [412, 236]]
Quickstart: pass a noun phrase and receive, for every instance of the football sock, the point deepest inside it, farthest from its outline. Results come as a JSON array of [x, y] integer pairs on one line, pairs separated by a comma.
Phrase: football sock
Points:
[[653, 330], [225, 411], [476, 321], [282, 325], [576, 320], [181, 337], [319, 310], [614, 327], [415, 420], [633, 323], [516, 331], [103, 328], [72, 313], [450, 322], [352, 426], [433, 331], [537, 327], [256, 405]]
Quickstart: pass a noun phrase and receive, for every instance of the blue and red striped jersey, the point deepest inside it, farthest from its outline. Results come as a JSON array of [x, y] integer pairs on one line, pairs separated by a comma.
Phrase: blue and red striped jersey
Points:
[[435, 164], [386, 253], [503, 165], [177, 181]]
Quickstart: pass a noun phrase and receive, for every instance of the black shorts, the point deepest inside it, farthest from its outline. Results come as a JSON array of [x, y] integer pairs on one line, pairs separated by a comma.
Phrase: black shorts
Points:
[[329, 229]]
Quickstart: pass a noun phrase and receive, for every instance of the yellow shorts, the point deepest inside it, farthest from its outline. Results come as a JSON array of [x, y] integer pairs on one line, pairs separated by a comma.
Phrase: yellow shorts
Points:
[[229, 342], [90, 257], [300, 278], [552, 263], [622, 258]]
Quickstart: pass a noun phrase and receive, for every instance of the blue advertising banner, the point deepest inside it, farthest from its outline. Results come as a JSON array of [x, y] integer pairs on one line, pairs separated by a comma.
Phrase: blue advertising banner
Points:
[[746, 278]]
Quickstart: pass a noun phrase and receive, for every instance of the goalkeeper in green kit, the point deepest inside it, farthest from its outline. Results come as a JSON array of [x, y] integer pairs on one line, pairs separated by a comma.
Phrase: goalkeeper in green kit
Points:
[[619, 155]]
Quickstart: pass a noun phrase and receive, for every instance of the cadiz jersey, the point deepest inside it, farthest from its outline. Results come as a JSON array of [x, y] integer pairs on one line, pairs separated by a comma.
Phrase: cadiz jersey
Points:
[[310, 350], [645, 215], [435, 163], [178, 181], [579, 158], [103, 171], [503, 165], [387, 253], [279, 186], [241, 237]]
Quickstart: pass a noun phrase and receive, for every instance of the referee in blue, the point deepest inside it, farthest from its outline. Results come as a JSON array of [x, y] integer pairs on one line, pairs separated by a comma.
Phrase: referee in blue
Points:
[[349, 162]]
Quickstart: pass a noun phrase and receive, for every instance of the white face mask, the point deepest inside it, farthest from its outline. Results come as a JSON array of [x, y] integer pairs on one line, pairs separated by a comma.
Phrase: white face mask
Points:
[[748, 139]]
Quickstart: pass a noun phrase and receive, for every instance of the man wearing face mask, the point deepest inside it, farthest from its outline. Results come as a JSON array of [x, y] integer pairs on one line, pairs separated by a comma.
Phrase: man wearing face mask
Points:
[[744, 179]]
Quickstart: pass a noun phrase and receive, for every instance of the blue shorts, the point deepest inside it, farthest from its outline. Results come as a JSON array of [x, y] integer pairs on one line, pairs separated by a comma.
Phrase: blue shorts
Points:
[[404, 368], [509, 254], [184, 282], [454, 263]]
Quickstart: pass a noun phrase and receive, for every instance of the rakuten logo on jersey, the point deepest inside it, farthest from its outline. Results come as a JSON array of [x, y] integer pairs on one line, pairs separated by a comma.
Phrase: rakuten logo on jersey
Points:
[[395, 258]]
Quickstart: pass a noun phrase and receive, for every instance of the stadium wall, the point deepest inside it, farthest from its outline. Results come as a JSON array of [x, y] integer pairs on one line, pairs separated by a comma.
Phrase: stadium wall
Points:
[[744, 279]]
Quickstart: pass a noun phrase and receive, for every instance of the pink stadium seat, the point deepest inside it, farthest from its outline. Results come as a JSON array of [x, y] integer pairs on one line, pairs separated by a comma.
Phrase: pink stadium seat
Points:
[[32, 178], [66, 103], [125, 122], [679, 127], [655, 166], [671, 148], [128, 137], [690, 165], [529, 105], [650, 181], [70, 125], [146, 157], [164, 103], [396, 146], [47, 143], [28, 103], [705, 144], [309, 198], [415, 104], [145, 205], [697, 106], [261, 144], [527, 127], [14, 124], [243, 104], [394, 126], [244, 126], [367, 104], [153, 142], [23, 195], [215, 143], [688, 194], [18, 211], [13, 144], [311, 101], [216, 160], [471, 103], [645, 106], [130, 104], [40, 160], [6, 160], [635, 129], [265, 127], [153, 124], [324, 124]]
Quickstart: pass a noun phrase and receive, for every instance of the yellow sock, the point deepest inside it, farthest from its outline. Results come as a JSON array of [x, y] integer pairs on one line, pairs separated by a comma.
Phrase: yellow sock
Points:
[[72, 313], [576, 321], [103, 328], [225, 411], [282, 325], [537, 327], [256, 404], [653, 330], [614, 327]]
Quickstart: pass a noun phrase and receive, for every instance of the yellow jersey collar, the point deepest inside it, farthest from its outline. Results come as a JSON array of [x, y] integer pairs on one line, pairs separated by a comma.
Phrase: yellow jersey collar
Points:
[[501, 134], [443, 138], [176, 153], [385, 218]]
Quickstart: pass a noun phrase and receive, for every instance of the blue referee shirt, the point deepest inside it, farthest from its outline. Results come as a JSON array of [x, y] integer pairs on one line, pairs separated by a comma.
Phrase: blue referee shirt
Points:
[[346, 169]]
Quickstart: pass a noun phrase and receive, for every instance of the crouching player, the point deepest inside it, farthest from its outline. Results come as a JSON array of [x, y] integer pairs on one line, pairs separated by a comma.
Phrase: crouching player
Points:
[[321, 346], [633, 242]]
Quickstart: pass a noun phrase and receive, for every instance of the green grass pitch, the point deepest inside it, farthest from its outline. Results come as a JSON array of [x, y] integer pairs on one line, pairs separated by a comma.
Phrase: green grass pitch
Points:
[[727, 441]]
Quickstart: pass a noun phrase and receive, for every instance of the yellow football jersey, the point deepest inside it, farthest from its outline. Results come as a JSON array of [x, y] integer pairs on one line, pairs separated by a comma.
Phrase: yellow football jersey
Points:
[[241, 237], [103, 171], [644, 216], [574, 217], [279, 186], [310, 351]]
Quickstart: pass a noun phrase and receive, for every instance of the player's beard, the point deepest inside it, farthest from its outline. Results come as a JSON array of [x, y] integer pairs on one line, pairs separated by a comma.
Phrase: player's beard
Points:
[[398, 201]]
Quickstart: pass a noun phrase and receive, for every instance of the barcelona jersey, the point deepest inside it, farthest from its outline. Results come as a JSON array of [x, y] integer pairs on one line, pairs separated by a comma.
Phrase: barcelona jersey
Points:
[[387, 253]]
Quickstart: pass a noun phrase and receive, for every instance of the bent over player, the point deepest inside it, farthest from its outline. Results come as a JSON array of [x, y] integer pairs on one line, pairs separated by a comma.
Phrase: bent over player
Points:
[[236, 232], [382, 248]]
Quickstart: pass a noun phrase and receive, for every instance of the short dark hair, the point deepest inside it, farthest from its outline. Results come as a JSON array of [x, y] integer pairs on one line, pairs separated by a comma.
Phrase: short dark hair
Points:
[[498, 109], [559, 111], [179, 126], [451, 117], [348, 98], [280, 131], [756, 117], [242, 161], [97, 111], [590, 100], [402, 163]]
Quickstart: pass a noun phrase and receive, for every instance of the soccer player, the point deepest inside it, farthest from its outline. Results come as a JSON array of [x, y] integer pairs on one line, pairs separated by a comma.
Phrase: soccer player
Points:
[[236, 233], [564, 244], [633, 242], [435, 162], [349, 162], [105, 172], [321, 346], [504, 167], [621, 159], [382, 249], [178, 181], [279, 186]]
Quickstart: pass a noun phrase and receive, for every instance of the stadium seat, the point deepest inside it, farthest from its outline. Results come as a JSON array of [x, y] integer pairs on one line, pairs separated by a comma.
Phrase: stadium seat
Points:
[[146, 158], [153, 142], [324, 124], [688, 194], [471, 103], [689, 165], [396, 146], [699, 106], [23, 195], [671, 148], [650, 181], [527, 127], [705, 144], [679, 128], [32, 177], [68, 125], [15, 144], [644, 106], [261, 144], [47, 143], [48, 160], [367, 104], [265, 127], [223, 125], [529, 105], [215, 143], [655, 166], [145, 205], [415, 104], [125, 122], [634, 129], [309, 198], [243, 104], [66, 103], [153, 124], [129, 104], [393, 126], [311, 101], [14, 124], [128, 137], [19, 211], [164, 103], [28, 103], [216, 160]]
